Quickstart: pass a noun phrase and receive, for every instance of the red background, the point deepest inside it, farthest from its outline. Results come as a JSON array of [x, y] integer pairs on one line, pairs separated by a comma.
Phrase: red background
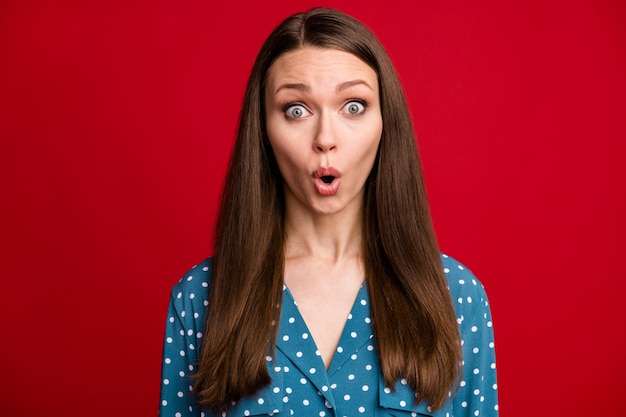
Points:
[[117, 119]]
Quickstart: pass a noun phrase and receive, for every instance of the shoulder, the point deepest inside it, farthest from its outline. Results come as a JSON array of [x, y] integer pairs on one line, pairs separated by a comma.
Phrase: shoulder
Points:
[[192, 290], [467, 292], [477, 389], [461, 281]]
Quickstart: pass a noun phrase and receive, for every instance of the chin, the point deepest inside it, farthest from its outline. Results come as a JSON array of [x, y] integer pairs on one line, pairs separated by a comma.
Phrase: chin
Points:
[[329, 208], [328, 211]]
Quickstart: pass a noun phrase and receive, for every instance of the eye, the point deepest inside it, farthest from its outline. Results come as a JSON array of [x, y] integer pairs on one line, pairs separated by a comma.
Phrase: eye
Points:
[[296, 111], [354, 107]]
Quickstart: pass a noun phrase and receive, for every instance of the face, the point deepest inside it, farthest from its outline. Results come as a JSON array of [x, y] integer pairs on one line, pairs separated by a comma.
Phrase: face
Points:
[[324, 125]]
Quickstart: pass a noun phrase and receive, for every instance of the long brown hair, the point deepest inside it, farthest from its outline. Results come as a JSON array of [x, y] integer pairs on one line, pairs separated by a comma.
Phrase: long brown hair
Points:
[[413, 318]]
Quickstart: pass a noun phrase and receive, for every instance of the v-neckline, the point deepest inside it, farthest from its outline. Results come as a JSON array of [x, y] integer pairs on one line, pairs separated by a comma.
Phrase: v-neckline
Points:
[[296, 341]]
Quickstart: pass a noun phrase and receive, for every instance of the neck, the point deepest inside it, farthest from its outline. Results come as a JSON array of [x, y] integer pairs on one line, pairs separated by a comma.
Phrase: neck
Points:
[[332, 237]]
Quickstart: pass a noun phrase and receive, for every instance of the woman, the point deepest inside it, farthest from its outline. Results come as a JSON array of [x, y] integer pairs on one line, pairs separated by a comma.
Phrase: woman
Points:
[[327, 294]]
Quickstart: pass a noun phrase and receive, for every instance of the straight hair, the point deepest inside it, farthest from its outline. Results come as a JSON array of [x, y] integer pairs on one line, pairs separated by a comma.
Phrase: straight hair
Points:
[[413, 319]]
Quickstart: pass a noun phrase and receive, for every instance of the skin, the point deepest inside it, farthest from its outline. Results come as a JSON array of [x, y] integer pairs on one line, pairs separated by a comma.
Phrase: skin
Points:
[[323, 110]]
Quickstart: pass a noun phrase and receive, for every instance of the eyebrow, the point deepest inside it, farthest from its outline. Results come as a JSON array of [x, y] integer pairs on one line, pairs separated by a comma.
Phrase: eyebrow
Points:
[[294, 86], [348, 84], [305, 88]]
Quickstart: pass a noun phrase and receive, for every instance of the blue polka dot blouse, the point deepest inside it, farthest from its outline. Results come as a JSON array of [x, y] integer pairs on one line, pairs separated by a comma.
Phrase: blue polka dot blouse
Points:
[[353, 385]]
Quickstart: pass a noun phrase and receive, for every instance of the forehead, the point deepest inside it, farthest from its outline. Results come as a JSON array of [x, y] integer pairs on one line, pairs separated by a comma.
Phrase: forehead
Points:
[[312, 66]]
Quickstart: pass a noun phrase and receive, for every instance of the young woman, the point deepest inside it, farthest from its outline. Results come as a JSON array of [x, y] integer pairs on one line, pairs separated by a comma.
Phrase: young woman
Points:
[[327, 294]]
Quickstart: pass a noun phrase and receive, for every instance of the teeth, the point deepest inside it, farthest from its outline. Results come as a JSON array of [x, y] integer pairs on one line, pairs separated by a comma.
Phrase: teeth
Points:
[[327, 179]]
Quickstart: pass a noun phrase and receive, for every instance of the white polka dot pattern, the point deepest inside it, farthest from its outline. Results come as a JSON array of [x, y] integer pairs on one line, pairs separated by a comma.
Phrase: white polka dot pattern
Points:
[[353, 384]]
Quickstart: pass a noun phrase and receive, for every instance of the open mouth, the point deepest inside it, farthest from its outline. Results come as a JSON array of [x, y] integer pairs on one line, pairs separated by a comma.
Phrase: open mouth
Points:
[[327, 180]]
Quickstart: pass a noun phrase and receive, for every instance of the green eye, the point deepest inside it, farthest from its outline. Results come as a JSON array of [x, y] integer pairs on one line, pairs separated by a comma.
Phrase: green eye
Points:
[[296, 111], [354, 107]]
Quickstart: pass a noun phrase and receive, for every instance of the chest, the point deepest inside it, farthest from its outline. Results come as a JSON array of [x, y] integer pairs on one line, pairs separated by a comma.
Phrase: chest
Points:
[[323, 319], [351, 385]]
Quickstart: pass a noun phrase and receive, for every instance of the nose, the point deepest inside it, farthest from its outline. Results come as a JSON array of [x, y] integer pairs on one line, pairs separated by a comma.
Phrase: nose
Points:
[[325, 139]]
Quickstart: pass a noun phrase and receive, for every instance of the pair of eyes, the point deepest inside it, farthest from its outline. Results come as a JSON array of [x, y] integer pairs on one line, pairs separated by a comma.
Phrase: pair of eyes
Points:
[[298, 110]]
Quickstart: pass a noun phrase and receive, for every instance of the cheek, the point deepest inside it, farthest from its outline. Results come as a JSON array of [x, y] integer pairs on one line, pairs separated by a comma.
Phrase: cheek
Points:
[[287, 158], [271, 130], [370, 157], [288, 144], [276, 140], [373, 141]]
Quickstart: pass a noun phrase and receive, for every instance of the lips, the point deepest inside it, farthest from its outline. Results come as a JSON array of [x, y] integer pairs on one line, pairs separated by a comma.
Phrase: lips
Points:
[[326, 180]]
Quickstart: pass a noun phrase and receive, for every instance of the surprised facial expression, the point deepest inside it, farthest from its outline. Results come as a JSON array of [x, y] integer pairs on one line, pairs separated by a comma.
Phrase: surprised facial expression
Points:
[[324, 125]]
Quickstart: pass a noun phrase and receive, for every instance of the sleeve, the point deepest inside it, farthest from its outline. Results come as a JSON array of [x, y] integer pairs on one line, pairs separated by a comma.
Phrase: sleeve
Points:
[[179, 360], [478, 390]]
